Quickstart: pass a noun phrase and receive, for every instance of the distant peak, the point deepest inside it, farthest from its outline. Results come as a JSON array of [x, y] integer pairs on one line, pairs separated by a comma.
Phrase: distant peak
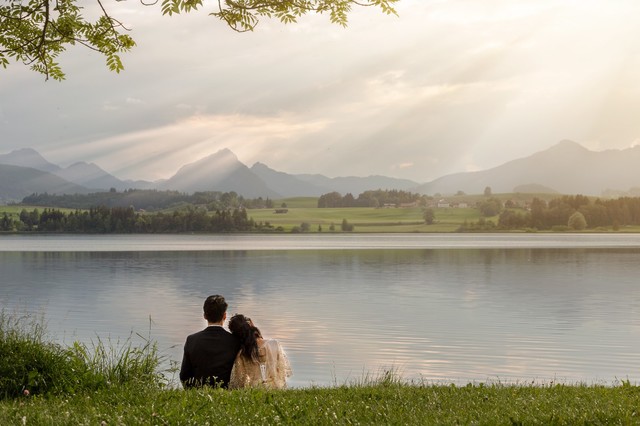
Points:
[[259, 165], [224, 154], [25, 151], [28, 157], [226, 151], [569, 144], [84, 165]]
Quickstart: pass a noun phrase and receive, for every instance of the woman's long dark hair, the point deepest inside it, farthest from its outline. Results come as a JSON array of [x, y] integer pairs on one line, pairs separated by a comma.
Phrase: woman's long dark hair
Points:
[[247, 333]]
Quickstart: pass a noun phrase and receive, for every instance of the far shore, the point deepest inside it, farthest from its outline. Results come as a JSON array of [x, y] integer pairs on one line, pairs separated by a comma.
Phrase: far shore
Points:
[[502, 213]]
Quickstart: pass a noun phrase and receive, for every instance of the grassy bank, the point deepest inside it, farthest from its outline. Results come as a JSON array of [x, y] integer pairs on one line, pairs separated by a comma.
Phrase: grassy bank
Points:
[[42, 383], [382, 403]]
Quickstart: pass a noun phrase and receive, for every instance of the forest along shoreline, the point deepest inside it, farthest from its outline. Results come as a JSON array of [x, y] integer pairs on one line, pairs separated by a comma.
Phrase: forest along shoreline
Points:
[[380, 211]]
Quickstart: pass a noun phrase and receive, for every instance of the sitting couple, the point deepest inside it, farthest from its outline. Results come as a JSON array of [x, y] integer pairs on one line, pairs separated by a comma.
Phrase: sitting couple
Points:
[[240, 359]]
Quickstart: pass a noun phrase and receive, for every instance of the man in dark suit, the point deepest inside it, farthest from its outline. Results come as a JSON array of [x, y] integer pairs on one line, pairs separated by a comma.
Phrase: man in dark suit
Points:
[[209, 354]]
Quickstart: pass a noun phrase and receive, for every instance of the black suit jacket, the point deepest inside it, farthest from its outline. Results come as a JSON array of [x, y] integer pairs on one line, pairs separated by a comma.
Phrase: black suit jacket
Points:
[[208, 357]]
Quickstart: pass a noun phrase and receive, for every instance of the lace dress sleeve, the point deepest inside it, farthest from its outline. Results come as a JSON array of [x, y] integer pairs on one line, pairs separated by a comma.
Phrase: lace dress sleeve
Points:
[[283, 367], [283, 362]]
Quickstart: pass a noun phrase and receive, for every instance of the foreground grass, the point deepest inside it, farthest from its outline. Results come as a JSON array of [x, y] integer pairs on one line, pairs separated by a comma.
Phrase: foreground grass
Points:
[[382, 403]]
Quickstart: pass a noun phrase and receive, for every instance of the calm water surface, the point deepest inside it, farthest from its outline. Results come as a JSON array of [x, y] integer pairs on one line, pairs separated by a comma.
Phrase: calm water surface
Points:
[[444, 308]]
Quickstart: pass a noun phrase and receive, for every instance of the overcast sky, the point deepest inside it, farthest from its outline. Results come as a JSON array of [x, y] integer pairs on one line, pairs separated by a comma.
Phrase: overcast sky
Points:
[[447, 86]]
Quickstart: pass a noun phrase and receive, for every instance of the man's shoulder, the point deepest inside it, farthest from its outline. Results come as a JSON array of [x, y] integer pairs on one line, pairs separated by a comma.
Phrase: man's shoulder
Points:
[[211, 331], [195, 335], [212, 337]]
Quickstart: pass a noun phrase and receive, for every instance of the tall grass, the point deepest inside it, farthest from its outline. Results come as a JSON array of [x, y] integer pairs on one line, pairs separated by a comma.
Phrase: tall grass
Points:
[[31, 365]]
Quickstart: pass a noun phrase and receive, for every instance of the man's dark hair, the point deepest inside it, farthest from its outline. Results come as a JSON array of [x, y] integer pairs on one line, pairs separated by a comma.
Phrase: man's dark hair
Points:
[[214, 308]]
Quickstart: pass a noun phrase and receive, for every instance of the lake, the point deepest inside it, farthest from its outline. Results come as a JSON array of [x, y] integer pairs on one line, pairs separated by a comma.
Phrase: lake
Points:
[[447, 308]]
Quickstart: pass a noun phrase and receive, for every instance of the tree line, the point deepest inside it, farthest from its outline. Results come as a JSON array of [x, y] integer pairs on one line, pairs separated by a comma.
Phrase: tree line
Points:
[[372, 198], [147, 199], [107, 220], [573, 212]]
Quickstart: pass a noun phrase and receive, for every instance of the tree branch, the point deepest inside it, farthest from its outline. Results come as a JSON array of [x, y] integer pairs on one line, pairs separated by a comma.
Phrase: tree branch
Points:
[[35, 32]]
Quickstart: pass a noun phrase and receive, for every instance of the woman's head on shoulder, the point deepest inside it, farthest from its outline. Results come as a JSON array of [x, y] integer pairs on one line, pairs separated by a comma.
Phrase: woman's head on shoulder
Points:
[[243, 328]]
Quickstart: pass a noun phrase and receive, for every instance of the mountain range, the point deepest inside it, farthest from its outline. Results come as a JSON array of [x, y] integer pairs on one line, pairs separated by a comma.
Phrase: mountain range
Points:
[[566, 167]]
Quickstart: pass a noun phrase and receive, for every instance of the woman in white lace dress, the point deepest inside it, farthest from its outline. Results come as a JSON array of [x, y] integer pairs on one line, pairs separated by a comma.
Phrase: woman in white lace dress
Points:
[[260, 362]]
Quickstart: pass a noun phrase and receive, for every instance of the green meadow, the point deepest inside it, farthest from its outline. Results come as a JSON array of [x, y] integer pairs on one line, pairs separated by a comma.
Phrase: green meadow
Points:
[[364, 219]]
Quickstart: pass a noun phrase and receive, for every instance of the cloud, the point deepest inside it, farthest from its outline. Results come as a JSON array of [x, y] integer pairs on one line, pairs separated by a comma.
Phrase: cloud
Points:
[[108, 106], [133, 101]]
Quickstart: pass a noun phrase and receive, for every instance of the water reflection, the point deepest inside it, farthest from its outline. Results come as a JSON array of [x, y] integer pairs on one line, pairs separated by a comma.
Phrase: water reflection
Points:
[[438, 314]]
